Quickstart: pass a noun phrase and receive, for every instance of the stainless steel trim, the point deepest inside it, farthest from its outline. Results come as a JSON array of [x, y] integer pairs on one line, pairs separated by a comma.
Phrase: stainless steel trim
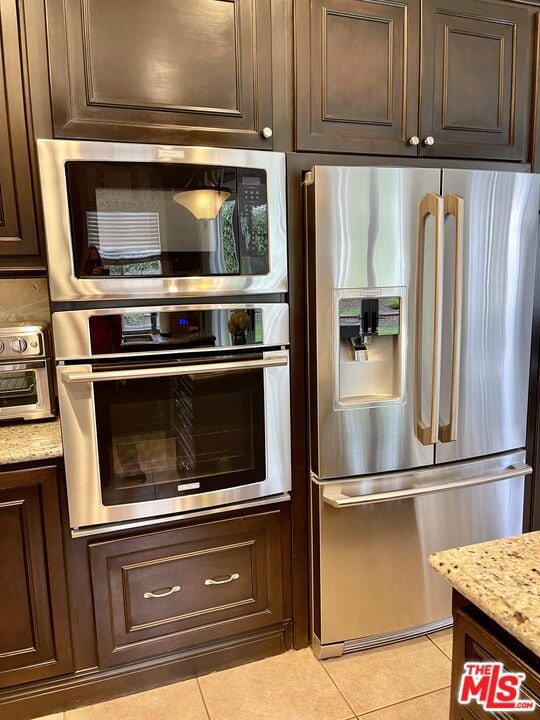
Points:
[[453, 205], [174, 589], [200, 369], [82, 462], [379, 640], [432, 204], [107, 529], [234, 576], [72, 336], [65, 286], [339, 499]]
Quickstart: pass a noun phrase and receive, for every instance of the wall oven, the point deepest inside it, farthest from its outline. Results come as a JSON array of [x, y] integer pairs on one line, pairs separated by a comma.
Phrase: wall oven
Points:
[[172, 409], [126, 220]]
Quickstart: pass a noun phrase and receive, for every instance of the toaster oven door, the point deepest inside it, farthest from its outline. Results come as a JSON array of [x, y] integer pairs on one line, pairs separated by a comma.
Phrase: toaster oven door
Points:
[[24, 391]]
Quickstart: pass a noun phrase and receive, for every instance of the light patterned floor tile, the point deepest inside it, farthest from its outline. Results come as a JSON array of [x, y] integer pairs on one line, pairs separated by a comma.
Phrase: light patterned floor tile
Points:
[[56, 716], [443, 640], [435, 706], [178, 701], [292, 686], [373, 679]]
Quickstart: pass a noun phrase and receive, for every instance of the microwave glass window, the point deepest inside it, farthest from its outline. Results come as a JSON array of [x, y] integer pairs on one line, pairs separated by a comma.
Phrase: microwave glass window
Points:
[[18, 388], [167, 220], [172, 436]]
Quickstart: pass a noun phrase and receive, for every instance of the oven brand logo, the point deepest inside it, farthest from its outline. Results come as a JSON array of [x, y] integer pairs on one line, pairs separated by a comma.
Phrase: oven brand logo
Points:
[[489, 685]]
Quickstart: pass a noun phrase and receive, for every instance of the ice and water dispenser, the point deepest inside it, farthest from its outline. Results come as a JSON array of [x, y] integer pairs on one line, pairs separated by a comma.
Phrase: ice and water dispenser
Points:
[[369, 346]]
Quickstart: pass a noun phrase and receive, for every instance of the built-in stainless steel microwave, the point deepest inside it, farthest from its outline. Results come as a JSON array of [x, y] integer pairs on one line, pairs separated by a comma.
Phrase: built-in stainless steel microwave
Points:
[[126, 220]]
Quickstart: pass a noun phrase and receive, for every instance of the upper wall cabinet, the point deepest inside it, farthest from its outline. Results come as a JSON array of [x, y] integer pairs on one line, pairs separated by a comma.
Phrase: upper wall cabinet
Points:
[[18, 230], [357, 75], [476, 79], [162, 71], [359, 64]]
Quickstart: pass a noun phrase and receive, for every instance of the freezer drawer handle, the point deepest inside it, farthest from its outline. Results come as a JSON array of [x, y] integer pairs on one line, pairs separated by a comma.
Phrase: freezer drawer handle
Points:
[[431, 204], [453, 205], [142, 373], [339, 499]]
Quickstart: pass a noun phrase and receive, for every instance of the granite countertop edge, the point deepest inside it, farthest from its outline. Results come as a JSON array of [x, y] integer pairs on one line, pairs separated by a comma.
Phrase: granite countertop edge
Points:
[[30, 441], [502, 578]]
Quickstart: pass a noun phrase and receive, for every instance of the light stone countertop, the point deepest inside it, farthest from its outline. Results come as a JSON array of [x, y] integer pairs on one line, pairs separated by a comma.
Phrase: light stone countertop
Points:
[[502, 578], [23, 442]]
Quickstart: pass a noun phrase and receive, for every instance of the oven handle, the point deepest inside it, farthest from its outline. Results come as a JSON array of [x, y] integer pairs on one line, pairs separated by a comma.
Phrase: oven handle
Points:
[[142, 373]]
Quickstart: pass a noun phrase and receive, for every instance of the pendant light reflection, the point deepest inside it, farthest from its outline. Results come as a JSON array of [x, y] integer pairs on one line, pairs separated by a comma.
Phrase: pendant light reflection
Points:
[[203, 204]]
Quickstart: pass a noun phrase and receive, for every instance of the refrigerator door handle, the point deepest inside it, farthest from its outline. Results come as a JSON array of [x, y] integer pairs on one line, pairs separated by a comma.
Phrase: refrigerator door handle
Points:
[[453, 205], [338, 499], [431, 204]]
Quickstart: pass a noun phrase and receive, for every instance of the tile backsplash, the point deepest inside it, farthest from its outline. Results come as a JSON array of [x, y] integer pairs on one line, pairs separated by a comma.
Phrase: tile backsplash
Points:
[[24, 300]]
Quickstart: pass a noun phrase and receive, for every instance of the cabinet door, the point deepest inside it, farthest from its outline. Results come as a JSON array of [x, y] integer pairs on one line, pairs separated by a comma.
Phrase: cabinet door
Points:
[[357, 75], [164, 591], [18, 232], [476, 79], [34, 628], [162, 71]]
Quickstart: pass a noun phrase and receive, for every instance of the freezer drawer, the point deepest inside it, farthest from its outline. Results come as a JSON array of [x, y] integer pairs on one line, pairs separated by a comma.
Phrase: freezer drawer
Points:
[[373, 536]]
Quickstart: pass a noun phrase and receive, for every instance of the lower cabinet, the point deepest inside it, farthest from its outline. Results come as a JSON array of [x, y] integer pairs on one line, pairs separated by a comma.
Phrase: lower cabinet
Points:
[[478, 639], [34, 626], [174, 589]]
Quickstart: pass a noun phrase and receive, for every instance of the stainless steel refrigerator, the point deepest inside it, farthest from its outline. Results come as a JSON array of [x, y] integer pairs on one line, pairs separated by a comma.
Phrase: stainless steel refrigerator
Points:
[[420, 305]]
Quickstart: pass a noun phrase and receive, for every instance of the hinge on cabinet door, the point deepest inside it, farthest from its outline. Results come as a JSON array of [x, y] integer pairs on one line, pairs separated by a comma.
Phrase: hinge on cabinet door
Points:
[[308, 178]]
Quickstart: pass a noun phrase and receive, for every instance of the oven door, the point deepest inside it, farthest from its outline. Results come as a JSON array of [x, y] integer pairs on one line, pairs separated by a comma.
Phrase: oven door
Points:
[[24, 391], [151, 439]]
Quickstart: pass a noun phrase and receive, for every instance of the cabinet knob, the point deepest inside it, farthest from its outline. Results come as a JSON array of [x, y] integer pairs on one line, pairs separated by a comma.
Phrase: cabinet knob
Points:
[[415, 140], [267, 133], [429, 140]]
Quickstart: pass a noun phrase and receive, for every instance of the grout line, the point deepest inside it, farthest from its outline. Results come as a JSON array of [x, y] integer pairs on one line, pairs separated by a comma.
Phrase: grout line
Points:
[[449, 657], [203, 699], [402, 702], [336, 686]]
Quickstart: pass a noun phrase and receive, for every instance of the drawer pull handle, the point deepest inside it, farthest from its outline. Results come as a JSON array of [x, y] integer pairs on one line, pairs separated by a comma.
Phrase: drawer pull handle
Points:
[[165, 593], [234, 576]]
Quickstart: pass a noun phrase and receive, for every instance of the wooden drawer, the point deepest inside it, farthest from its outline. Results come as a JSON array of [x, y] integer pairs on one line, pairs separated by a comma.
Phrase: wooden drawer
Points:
[[168, 590]]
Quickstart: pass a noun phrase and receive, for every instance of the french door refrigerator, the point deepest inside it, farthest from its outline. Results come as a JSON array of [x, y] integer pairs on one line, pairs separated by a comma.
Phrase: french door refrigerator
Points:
[[420, 297]]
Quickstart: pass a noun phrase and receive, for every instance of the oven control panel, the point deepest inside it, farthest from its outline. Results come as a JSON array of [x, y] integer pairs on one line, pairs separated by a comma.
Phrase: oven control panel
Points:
[[20, 342]]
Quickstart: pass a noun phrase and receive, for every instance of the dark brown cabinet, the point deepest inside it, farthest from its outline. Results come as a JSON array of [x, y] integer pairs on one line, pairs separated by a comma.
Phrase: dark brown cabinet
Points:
[[357, 75], [478, 639], [449, 78], [476, 79], [19, 245], [34, 626], [165, 591], [162, 71]]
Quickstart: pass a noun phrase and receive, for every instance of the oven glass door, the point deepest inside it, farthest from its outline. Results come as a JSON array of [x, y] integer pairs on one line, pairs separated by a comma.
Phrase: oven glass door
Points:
[[151, 220], [146, 439], [163, 437]]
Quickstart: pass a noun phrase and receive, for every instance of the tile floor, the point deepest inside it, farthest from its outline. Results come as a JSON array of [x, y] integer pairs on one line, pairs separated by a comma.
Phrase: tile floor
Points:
[[405, 681]]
